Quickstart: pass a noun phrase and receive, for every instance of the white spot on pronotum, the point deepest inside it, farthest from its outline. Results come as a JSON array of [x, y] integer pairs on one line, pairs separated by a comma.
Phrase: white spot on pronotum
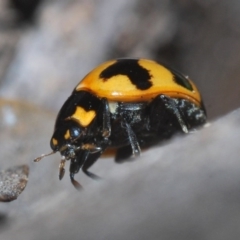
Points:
[[113, 107]]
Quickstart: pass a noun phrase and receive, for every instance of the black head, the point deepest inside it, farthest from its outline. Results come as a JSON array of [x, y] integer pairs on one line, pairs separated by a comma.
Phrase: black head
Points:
[[67, 139]]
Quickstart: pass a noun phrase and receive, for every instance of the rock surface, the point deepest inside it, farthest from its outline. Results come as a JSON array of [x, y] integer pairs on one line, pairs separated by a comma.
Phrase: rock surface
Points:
[[187, 188], [12, 182]]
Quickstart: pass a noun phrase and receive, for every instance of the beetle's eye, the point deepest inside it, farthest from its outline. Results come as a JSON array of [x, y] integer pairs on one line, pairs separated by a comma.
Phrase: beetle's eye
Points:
[[75, 132]]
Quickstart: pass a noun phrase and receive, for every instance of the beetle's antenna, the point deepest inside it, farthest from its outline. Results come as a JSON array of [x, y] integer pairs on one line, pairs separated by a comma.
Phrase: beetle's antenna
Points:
[[43, 156]]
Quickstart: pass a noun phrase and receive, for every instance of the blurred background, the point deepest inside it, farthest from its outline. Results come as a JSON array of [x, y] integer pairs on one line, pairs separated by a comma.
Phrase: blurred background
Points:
[[48, 46]]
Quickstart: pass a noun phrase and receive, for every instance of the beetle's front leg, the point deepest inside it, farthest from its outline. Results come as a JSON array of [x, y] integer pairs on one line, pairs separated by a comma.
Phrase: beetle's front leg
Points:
[[93, 157], [75, 164], [61, 168]]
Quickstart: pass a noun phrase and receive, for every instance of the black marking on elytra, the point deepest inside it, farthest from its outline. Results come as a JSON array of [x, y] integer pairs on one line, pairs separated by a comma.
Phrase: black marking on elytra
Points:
[[181, 80], [138, 75]]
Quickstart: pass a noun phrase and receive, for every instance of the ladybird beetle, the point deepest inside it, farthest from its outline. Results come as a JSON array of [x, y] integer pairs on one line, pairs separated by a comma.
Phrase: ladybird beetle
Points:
[[127, 104]]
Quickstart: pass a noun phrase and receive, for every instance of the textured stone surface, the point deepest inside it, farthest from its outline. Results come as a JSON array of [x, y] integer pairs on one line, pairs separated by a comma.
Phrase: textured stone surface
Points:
[[185, 189], [12, 182]]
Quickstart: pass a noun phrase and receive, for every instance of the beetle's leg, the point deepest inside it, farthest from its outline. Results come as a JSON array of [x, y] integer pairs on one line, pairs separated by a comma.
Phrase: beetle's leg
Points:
[[106, 130], [75, 183], [163, 110], [171, 105], [75, 164], [136, 150], [123, 153], [92, 148], [91, 158], [62, 169]]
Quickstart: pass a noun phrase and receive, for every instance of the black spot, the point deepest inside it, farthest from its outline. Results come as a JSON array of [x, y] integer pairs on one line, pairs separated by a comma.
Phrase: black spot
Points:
[[138, 75], [180, 79]]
